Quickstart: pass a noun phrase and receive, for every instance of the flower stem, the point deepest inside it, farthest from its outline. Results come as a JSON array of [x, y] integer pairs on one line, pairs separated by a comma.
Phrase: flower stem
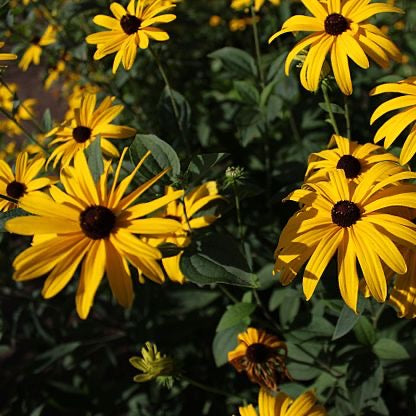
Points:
[[347, 117], [257, 46], [238, 211], [172, 99], [329, 108]]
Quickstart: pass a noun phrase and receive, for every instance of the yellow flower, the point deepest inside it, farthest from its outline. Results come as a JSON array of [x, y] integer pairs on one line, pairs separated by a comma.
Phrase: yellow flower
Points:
[[355, 220], [243, 4], [215, 20], [283, 405], [129, 30], [393, 127], [262, 356], [8, 150], [7, 56], [75, 97], [23, 182], [56, 71], [95, 225], [186, 214], [341, 29], [34, 51], [152, 364], [77, 134], [353, 158]]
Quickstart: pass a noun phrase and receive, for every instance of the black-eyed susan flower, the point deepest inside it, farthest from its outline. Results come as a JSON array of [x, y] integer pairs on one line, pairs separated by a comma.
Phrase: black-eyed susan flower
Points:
[[94, 225], [75, 94], [7, 56], [77, 134], [186, 213], [33, 53], [130, 29], [153, 365], [262, 356], [394, 126], [23, 181], [56, 70], [283, 405], [353, 158], [355, 221], [341, 29], [403, 295]]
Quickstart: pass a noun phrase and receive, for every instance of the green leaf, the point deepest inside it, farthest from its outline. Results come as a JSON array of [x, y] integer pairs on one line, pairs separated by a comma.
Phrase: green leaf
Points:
[[162, 156], [47, 120], [389, 349], [235, 61], [303, 372], [57, 353], [216, 259], [200, 165], [336, 109], [95, 158], [169, 249], [247, 92], [224, 342], [364, 331], [172, 122], [5, 216], [347, 319], [266, 277], [235, 314]]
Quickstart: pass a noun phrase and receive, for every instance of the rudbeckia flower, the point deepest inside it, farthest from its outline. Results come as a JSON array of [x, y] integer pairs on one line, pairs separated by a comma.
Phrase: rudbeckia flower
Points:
[[7, 56], [394, 126], [353, 158], [186, 213], [341, 29], [23, 181], [94, 225], [77, 134], [283, 405], [130, 29], [34, 51], [262, 356], [354, 221]]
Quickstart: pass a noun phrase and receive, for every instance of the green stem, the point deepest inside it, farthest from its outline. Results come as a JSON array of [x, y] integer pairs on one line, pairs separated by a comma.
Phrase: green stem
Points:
[[172, 100], [347, 117], [208, 389], [378, 314], [228, 294], [238, 211], [294, 127], [266, 313], [329, 108], [257, 46]]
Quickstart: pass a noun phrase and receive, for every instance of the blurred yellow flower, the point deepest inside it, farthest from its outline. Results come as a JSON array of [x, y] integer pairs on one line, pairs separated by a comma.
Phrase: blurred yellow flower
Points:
[[129, 30], [7, 56], [34, 51], [215, 21]]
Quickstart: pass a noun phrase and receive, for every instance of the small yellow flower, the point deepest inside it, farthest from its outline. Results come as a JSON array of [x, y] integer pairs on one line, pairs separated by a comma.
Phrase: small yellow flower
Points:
[[130, 29], [23, 181], [56, 71], [340, 29], [186, 213], [215, 21], [152, 364], [34, 51], [283, 405], [94, 225], [7, 56], [262, 356], [77, 134]]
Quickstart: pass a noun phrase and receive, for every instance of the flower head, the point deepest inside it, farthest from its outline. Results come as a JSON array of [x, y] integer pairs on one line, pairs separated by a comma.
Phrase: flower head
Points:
[[78, 133], [353, 158], [356, 221], [262, 356], [394, 126], [341, 29], [94, 225], [23, 182], [186, 213], [283, 405], [153, 365], [34, 51], [130, 29]]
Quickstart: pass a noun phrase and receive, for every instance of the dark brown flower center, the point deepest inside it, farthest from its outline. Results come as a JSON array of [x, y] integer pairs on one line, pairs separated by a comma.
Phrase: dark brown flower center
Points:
[[15, 189], [97, 222], [130, 24], [351, 166], [35, 40], [81, 134], [257, 353], [335, 24], [345, 213]]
